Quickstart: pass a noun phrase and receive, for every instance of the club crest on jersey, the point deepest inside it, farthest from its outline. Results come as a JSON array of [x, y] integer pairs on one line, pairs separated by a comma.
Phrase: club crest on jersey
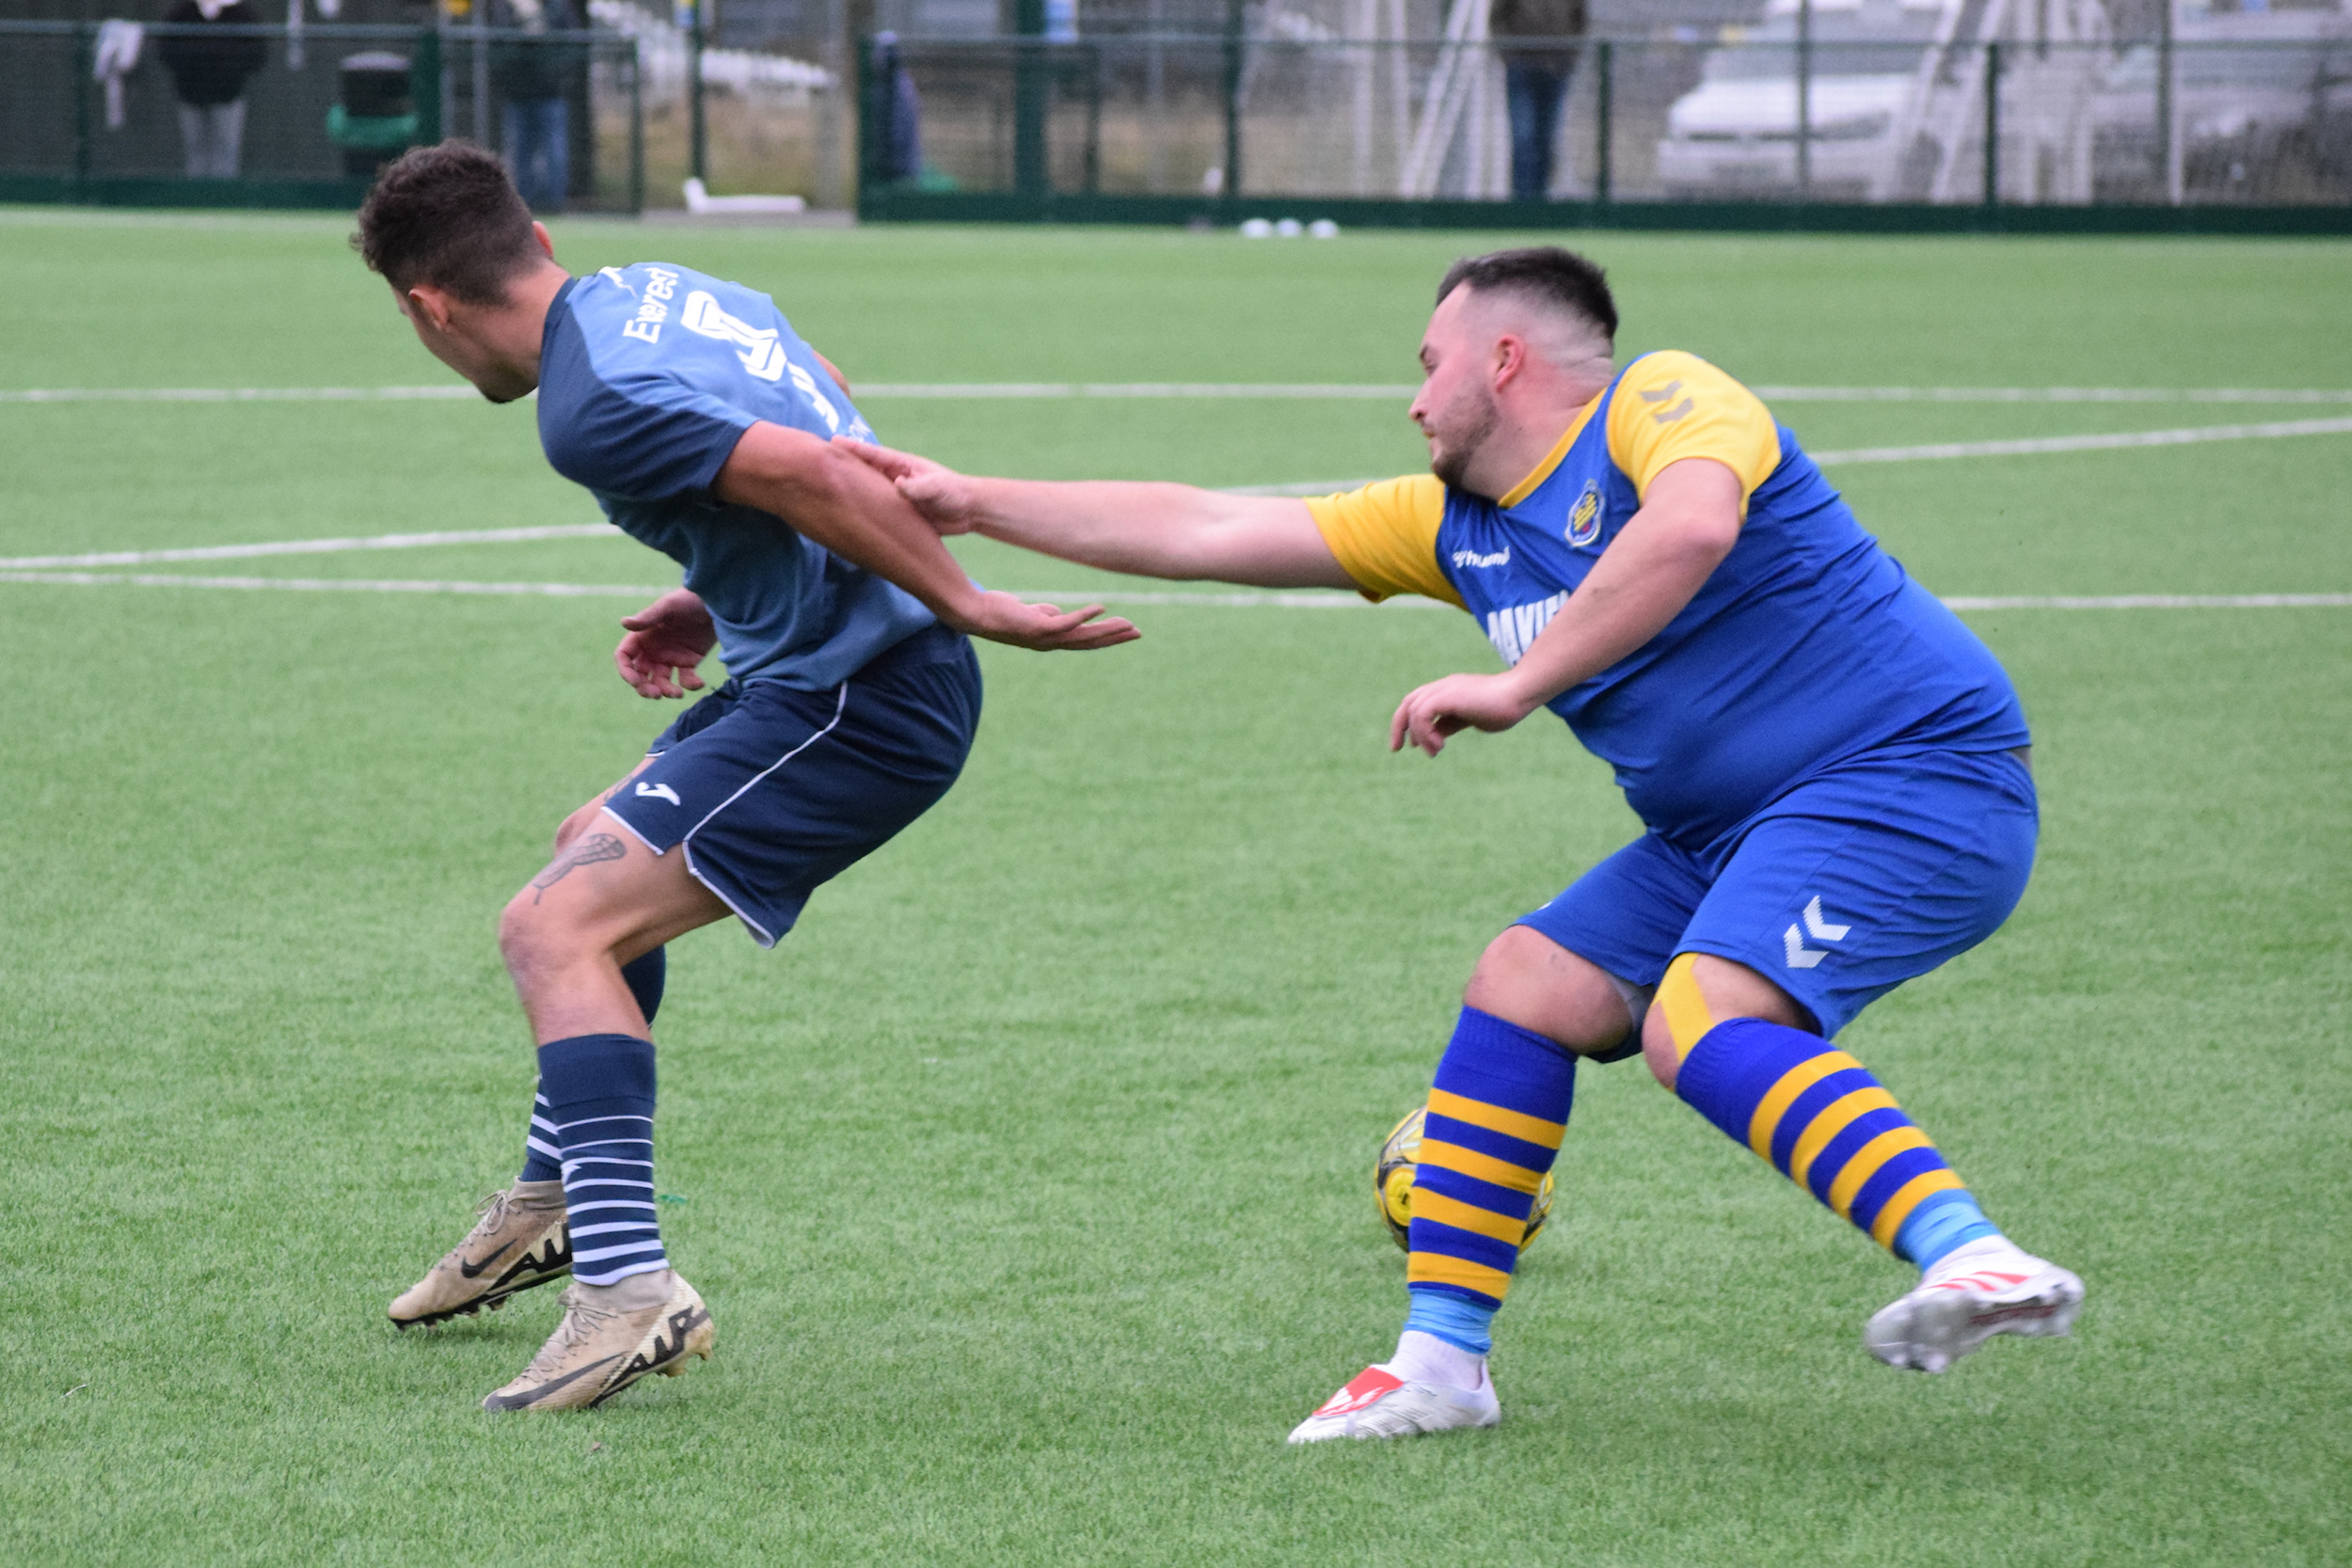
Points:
[[1585, 516]]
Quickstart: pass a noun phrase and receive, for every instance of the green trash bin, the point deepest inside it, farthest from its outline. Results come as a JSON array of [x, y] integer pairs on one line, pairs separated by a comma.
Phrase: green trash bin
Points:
[[375, 118]]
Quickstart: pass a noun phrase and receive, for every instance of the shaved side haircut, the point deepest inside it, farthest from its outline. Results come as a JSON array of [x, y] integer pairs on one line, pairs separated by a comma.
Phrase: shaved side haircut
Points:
[[1547, 276], [449, 216]]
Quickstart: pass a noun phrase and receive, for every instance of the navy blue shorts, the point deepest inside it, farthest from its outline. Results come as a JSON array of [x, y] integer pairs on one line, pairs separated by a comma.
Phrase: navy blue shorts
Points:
[[1866, 874], [771, 791]]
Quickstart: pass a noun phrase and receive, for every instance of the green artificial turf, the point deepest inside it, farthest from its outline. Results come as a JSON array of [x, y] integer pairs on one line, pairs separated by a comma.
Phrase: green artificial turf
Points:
[[1030, 1179]]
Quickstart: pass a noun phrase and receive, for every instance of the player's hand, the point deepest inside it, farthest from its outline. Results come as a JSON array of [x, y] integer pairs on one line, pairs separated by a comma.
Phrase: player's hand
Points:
[[664, 641], [1430, 713], [1002, 618], [944, 497]]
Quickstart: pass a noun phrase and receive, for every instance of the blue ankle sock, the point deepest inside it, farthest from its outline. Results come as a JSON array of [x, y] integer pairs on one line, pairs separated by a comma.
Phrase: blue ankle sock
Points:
[[599, 1092], [645, 975], [1942, 1224], [1462, 1323]]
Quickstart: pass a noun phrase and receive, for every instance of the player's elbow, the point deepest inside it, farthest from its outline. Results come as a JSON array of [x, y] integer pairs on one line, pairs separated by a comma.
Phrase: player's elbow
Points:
[[779, 470], [1714, 536]]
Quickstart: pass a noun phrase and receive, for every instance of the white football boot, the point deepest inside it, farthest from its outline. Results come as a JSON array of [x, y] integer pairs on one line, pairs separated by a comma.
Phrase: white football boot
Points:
[[1401, 1398], [1971, 1293]]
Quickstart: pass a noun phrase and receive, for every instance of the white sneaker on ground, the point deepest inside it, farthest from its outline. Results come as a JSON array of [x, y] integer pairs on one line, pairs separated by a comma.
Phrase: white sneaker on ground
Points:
[[1973, 1292], [1378, 1403]]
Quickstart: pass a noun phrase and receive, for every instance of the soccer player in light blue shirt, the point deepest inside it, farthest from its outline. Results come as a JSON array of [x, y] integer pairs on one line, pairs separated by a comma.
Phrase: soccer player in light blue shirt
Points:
[[1830, 767], [703, 425]]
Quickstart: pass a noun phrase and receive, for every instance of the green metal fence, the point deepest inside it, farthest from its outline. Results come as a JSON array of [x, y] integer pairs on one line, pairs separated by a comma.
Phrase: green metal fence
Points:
[[1777, 126], [87, 114]]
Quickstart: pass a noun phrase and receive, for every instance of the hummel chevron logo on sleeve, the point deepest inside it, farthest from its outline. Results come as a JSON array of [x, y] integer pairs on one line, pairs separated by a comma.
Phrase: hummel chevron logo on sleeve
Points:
[[663, 792], [1670, 414]]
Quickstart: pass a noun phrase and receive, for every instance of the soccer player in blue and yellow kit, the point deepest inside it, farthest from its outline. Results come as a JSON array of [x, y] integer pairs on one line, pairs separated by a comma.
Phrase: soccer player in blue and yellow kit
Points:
[[703, 424], [1831, 769]]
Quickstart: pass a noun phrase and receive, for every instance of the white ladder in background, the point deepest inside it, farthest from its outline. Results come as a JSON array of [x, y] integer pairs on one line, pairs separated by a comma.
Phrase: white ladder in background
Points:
[[2049, 128], [1955, 97], [1462, 108]]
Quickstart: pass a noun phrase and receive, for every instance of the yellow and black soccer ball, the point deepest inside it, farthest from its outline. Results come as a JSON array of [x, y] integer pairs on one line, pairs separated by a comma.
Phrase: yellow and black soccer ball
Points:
[[1392, 1181]]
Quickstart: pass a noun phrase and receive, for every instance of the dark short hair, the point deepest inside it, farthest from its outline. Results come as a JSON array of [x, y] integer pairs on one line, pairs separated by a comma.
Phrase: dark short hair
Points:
[[450, 216], [1544, 273]]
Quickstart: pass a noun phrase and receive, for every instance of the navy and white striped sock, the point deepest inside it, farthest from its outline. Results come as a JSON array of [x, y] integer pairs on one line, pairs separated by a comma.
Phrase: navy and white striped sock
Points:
[[542, 1159], [599, 1093]]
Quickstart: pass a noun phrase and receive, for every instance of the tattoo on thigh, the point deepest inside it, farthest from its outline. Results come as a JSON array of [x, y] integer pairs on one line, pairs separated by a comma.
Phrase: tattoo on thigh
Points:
[[585, 850]]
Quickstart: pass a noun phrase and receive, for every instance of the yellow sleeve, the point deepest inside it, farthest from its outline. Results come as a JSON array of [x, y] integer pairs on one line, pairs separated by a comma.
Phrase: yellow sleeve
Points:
[[1386, 536], [1673, 405]]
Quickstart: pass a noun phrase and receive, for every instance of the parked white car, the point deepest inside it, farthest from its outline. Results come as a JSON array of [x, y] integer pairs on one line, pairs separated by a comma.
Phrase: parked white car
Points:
[[1735, 133], [2263, 98]]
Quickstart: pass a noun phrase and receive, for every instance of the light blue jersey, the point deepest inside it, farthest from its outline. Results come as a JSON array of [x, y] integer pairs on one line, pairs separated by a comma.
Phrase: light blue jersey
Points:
[[648, 376]]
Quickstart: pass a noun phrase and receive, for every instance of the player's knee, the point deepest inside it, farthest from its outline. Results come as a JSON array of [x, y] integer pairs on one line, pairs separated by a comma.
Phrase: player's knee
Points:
[[1699, 991], [1659, 1048], [1526, 978], [529, 941]]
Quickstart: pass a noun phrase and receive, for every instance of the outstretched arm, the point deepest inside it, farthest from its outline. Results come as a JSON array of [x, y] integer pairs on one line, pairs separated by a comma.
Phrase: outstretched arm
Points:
[[827, 495], [1656, 564], [1154, 530]]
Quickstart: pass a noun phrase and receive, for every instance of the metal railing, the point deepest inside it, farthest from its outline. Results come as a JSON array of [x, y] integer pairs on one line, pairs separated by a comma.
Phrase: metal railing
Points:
[[1224, 120]]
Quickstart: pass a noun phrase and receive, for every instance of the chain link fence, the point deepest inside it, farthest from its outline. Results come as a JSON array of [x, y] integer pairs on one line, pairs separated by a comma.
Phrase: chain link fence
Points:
[[1200, 106], [218, 114], [2022, 102]]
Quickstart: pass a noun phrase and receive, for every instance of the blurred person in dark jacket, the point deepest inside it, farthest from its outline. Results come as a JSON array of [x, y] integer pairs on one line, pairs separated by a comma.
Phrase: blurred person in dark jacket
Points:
[[1535, 81], [209, 78], [533, 76]]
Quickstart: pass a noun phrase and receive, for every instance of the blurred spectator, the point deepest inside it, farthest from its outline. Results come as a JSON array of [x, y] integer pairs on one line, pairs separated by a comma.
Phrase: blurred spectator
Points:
[[533, 76], [900, 112], [1535, 81], [209, 75]]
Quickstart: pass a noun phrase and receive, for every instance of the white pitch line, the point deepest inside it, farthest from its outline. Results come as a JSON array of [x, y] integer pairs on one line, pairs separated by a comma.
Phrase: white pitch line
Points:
[[345, 585], [2025, 447], [2050, 394], [2033, 445], [238, 394], [1333, 600], [887, 390], [1277, 600], [318, 547], [2154, 601], [1342, 390]]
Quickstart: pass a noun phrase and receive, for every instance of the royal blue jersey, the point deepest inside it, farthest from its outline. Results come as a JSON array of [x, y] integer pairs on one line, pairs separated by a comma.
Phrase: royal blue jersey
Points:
[[648, 376], [1807, 645]]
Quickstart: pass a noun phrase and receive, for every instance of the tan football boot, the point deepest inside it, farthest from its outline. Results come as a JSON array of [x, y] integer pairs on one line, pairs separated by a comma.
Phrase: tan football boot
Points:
[[521, 1241], [611, 1336]]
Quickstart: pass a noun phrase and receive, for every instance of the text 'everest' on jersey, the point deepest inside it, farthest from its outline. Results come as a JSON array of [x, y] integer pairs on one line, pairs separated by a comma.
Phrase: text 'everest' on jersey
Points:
[[649, 375], [760, 348]]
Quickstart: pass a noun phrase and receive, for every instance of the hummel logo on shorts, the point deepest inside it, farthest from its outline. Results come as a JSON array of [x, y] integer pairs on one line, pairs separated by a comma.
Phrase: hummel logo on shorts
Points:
[[659, 792]]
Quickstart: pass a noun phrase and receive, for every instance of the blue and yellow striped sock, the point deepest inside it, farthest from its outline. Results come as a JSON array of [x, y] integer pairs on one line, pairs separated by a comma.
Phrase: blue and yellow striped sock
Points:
[[1496, 1118], [1823, 1121]]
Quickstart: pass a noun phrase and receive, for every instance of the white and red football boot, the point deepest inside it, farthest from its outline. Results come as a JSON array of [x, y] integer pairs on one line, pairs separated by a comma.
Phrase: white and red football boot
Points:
[[1971, 1294], [1378, 1403]]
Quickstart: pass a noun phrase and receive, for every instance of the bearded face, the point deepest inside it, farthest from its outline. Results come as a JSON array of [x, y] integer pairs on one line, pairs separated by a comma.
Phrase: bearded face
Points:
[[1458, 427]]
